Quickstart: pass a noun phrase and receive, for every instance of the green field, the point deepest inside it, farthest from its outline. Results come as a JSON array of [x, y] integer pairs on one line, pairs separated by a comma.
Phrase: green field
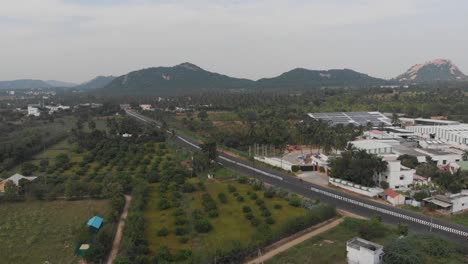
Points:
[[330, 247], [35, 232], [231, 227]]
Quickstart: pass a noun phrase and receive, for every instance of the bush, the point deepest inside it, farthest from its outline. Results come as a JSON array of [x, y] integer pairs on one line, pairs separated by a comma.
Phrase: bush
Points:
[[242, 180], [269, 220], [295, 202], [231, 188], [253, 196], [249, 216], [201, 186], [259, 202], [372, 229], [269, 194], [164, 204], [246, 209], [384, 185], [235, 194], [213, 213], [203, 226], [266, 213], [295, 168], [255, 221], [278, 206], [178, 212], [240, 199], [180, 220], [222, 198], [181, 231], [419, 196], [197, 214], [163, 232], [183, 240], [403, 229]]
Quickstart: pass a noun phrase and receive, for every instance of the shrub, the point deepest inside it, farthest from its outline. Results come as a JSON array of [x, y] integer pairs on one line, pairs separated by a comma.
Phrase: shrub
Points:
[[181, 231], [235, 194], [372, 229], [403, 229], [183, 240], [197, 214], [255, 221], [203, 226], [295, 202], [253, 196], [201, 186], [266, 213], [242, 180], [164, 204], [246, 209], [295, 168], [269, 194], [259, 202], [163, 232], [419, 196], [249, 216], [231, 188], [222, 198], [213, 213], [269, 220], [180, 220], [182, 255], [178, 212], [278, 206], [240, 199]]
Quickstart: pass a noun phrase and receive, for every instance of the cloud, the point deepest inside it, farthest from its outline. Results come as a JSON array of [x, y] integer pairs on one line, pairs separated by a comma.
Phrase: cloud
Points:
[[93, 37]]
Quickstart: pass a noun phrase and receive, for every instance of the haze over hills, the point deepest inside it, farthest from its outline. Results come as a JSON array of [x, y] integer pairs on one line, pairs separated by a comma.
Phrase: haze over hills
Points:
[[24, 84], [55, 83], [435, 70], [96, 83]]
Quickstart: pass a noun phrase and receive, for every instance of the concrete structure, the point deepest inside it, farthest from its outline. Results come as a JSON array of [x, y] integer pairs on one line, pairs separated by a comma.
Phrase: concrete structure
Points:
[[441, 157], [352, 118], [455, 134], [15, 179], [356, 188], [33, 110], [458, 166], [450, 203], [277, 162], [394, 198], [390, 133], [146, 107], [397, 175], [360, 251], [55, 108]]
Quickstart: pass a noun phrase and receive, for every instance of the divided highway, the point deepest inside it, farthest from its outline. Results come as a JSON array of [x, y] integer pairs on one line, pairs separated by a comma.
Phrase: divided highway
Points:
[[344, 201]]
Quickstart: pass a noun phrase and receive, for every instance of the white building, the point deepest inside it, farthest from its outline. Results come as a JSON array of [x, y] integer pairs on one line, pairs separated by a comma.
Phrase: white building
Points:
[[453, 134], [397, 175], [146, 107], [451, 203], [33, 110], [441, 157], [55, 108], [360, 251]]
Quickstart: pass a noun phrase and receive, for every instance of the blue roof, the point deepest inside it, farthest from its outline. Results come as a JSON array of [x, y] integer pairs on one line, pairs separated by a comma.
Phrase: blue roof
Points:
[[95, 222]]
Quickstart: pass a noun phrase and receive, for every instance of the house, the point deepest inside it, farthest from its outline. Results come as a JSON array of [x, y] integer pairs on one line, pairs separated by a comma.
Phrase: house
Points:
[[33, 110], [55, 108], [95, 222], [361, 251], [397, 175], [393, 197], [146, 107], [450, 203], [15, 179], [461, 166]]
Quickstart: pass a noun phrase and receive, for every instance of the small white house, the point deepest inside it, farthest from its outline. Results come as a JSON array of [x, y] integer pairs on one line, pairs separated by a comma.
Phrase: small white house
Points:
[[394, 198], [450, 203], [146, 107], [33, 110], [361, 251]]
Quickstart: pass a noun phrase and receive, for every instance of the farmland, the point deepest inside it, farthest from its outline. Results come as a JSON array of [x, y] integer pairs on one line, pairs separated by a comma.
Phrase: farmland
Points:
[[47, 230], [238, 216]]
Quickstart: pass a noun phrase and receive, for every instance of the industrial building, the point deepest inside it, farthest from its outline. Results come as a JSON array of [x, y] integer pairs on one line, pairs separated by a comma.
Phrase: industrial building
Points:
[[352, 118], [455, 135]]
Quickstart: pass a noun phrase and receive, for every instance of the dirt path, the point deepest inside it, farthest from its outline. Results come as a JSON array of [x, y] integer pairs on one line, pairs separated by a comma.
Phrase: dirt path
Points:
[[118, 233], [295, 241]]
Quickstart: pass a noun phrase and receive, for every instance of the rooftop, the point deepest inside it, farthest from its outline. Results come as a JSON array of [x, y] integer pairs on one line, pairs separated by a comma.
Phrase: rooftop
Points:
[[17, 177], [95, 222], [391, 193], [370, 144], [358, 243], [354, 118]]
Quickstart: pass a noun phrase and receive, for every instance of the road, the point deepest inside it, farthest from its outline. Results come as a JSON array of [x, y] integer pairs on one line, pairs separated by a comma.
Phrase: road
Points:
[[343, 201], [118, 233]]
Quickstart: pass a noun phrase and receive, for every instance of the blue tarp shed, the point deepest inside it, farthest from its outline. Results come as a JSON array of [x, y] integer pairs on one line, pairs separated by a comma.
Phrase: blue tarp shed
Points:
[[95, 222]]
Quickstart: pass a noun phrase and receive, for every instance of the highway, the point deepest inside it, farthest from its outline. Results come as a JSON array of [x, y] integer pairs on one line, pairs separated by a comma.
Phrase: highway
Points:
[[354, 204]]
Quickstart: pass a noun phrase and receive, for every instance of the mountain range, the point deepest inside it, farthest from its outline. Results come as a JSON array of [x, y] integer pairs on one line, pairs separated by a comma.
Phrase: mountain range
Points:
[[188, 78]]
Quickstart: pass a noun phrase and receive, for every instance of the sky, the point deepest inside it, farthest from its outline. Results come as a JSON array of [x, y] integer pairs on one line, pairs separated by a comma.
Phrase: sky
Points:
[[76, 40]]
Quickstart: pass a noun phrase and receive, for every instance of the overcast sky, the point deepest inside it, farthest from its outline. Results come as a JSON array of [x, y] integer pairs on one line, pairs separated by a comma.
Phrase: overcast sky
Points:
[[75, 40]]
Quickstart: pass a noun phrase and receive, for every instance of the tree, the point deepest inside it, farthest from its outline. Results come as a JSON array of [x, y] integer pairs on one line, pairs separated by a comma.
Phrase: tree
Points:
[[28, 168], [402, 251], [11, 191], [210, 150], [91, 125], [203, 115], [403, 229]]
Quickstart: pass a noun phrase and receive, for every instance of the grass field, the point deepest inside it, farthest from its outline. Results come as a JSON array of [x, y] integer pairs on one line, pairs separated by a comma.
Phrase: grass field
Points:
[[226, 227], [35, 232], [330, 247]]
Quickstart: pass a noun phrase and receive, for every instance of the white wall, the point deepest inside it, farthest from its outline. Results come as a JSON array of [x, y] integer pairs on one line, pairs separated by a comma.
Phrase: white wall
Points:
[[366, 191], [285, 165]]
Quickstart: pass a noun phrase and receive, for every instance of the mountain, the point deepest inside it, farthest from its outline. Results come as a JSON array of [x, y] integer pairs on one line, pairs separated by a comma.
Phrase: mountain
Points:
[[186, 77], [303, 78], [55, 83], [23, 84], [96, 83], [436, 70]]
